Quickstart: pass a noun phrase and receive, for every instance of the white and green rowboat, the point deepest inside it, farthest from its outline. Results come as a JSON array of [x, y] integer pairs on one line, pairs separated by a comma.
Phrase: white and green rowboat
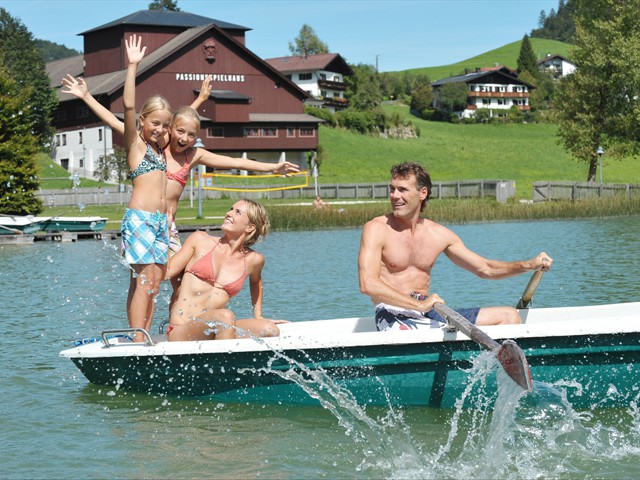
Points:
[[594, 347]]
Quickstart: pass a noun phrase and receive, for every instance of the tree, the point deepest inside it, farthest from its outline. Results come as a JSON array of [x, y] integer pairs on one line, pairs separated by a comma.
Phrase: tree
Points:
[[169, 5], [421, 94], [18, 148], [112, 165], [307, 43], [50, 51], [452, 97], [527, 61], [23, 63], [557, 26], [598, 105], [363, 90]]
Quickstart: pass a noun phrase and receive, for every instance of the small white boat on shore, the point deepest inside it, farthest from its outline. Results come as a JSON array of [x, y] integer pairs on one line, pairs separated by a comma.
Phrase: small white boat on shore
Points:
[[73, 224], [21, 224]]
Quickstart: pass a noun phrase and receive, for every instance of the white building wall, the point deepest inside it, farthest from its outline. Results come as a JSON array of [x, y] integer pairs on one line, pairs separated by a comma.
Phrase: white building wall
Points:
[[79, 150]]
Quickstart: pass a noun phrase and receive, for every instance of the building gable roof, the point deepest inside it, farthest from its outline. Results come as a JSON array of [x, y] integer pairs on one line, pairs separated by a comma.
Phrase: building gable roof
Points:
[[166, 18], [332, 62], [481, 74], [109, 83], [551, 57]]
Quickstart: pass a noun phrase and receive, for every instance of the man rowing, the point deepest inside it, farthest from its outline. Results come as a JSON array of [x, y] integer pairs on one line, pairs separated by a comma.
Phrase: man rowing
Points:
[[399, 250]]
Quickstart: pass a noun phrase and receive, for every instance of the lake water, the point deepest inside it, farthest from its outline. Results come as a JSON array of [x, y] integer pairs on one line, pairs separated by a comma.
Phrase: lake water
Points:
[[54, 424]]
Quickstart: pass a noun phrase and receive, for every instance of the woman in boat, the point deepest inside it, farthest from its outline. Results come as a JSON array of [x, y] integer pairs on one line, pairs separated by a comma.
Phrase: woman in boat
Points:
[[215, 269]]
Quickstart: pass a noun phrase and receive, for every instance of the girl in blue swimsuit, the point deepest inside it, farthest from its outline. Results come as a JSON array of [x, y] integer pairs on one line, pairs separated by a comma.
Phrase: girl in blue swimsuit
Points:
[[145, 233]]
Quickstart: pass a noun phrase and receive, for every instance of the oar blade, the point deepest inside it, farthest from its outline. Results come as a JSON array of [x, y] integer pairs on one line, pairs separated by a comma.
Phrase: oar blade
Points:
[[515, 364]]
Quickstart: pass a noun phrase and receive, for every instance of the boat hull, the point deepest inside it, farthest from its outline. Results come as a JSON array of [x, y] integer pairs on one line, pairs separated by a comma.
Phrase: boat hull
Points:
[[74, 224], [593, 368]]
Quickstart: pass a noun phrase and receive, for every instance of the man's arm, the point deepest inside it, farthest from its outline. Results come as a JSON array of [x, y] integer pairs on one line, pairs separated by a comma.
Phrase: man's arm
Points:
[[369, 269], [490, 269]]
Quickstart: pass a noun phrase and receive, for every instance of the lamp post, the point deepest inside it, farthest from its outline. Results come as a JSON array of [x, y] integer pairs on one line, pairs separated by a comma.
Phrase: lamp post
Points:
[[198, 144], [600, 152]]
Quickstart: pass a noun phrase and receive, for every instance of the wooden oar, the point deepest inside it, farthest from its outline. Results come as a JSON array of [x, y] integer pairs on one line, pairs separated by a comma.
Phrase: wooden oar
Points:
[[529, 290], [509, 354]]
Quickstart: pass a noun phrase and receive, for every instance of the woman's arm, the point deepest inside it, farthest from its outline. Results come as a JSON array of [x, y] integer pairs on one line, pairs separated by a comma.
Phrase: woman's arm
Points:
[[256, 285], [178, 262], [78, 88]]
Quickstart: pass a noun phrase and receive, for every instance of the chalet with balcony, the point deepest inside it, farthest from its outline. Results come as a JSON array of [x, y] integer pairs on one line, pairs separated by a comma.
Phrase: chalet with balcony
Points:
[[253, 110], [557, 65], [496, 89], [321, 76]]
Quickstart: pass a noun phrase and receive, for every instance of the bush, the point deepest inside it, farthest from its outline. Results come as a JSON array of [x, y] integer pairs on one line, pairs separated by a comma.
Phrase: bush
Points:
[[323, 114]]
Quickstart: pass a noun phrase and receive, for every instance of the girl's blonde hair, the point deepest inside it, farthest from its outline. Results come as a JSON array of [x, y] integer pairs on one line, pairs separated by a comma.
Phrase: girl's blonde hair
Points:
[[258, 216], [154, 103], [186, 114]]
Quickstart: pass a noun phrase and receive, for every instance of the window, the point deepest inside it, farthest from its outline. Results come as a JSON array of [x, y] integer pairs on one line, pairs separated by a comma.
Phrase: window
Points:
[[307, 132], [81, 163], [291, 132], [57, 140], [64, 163], [304, 76], [64, 140], [99, 134], [82, 112], [251, 132], [79, 137], [269, 132], [217, 132], [323, 76], [323, 93]]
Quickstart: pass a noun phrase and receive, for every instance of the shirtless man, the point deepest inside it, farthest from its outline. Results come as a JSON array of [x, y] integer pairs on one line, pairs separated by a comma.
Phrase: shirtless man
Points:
[[398, 251]]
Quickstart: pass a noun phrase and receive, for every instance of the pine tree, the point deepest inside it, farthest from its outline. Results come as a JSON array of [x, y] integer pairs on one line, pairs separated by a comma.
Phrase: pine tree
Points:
[[18, 148], [527, 59]]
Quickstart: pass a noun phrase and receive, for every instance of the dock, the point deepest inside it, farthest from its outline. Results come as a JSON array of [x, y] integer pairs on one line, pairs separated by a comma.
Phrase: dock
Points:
[[70, 237]]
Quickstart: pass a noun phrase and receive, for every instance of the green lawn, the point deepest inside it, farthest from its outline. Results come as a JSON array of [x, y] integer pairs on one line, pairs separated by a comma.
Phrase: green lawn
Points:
[[506, 55], [524, 153]]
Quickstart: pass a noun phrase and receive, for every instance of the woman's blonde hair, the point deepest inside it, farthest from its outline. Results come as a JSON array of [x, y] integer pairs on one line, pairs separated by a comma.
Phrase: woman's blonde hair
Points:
[[154, 103], [186, 114], [259, 218]]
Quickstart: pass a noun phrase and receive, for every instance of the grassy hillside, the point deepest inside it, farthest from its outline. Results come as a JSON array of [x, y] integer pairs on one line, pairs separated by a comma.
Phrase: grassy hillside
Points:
[[506, 55], [524, 153]]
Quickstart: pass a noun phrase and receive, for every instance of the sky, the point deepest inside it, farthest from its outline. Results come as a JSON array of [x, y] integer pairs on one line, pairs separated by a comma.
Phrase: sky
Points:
[[389, 34]]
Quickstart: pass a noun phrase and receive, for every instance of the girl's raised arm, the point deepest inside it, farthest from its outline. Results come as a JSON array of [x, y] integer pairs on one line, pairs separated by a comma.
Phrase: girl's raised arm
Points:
[[78, 88], [135, 54]]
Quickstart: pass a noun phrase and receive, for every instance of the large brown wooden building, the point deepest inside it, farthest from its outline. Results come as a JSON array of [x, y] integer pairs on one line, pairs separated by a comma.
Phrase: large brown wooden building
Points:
[[253, 110]]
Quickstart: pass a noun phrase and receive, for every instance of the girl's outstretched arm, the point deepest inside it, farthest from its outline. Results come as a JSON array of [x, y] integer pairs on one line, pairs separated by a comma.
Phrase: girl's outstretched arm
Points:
[[78, 88], [135, 54]]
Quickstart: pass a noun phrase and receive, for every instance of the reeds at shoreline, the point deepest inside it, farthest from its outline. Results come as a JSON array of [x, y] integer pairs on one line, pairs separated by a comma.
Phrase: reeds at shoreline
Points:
[[285, 217]]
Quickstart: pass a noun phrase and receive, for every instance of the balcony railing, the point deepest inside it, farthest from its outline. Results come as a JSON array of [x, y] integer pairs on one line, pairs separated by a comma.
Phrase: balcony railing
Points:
[[499, 94], [336, 102], [332, 85]]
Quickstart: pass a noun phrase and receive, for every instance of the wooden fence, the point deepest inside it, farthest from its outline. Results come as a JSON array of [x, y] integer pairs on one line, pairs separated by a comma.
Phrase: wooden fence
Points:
[[543, 191], [498, 189]]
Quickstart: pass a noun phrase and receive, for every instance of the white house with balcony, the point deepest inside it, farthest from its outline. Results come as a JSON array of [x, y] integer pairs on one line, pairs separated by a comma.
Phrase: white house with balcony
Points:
[[557, 65], [496, 89], [322, 76]]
